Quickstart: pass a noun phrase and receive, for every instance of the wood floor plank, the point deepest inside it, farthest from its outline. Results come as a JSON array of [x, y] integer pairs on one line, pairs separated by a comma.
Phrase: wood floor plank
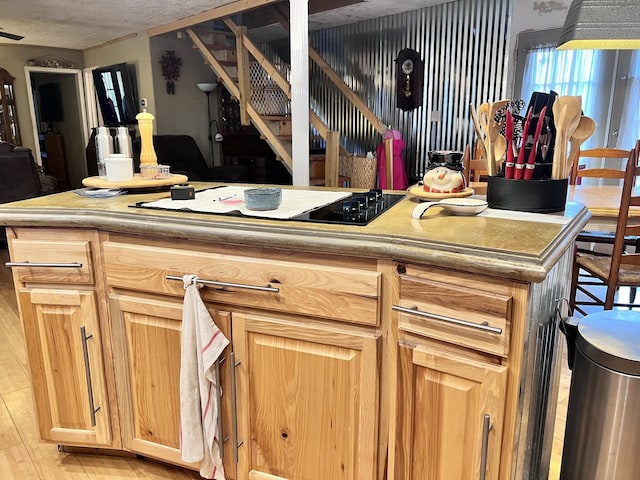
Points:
[[12, 375], [11, 334], [99, 467], [48, 462], [150, 470], [9, 436], [15, 464], [561, 415]]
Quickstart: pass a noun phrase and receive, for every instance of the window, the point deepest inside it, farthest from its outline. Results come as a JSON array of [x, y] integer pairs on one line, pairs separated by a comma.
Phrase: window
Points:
[[607, 80]]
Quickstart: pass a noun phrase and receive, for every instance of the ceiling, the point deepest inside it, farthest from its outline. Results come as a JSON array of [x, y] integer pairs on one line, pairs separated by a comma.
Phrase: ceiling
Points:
[[81, 24]]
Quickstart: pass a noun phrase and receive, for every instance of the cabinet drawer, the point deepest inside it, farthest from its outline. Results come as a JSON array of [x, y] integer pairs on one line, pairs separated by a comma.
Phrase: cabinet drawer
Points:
[[59, 261], [292, 286], [456, 313]]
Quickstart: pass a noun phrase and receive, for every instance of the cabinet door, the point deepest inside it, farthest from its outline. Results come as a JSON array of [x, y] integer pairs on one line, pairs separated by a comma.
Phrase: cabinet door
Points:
[[67, 370], [147, 342], [449, 414], [307, 400]]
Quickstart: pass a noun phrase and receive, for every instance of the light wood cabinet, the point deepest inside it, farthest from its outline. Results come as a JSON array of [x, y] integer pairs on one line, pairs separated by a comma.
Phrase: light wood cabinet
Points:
[[449, 416], [301, 365], [59, 304], [65, 355], [454, 333], [307, 399], [148, 333], [339, 366]]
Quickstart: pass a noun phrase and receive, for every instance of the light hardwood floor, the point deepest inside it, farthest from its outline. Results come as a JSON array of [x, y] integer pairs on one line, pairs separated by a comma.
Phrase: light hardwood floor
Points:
[[23, 456]]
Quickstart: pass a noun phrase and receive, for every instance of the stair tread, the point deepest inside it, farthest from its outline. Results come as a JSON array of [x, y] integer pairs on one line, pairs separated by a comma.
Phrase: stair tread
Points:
[[281, 137]]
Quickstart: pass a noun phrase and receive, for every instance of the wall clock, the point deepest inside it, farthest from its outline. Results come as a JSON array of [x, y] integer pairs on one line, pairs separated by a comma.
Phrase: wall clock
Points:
[[409, 79]]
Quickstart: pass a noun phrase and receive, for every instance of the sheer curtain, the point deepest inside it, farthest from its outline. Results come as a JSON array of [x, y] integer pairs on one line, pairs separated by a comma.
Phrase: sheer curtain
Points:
[[630, 122], [572, 72]]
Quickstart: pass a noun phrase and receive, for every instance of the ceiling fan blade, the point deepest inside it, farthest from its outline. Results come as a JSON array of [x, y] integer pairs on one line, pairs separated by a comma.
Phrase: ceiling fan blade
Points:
[[11, 36]]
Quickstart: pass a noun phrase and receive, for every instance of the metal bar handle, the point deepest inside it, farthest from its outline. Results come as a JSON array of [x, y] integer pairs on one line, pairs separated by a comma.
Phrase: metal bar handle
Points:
[[484, 326], [219, 402], [234, 409], [266, 288], [48, 265], [87, 369], [486, 428]]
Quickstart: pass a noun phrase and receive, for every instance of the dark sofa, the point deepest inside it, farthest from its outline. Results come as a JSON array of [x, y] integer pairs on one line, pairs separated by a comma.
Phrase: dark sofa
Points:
[[19, 175], [183, 156]]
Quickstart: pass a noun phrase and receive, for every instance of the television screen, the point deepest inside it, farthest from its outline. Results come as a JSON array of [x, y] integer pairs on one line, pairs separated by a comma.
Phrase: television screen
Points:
[[117, 95], [50, 103]]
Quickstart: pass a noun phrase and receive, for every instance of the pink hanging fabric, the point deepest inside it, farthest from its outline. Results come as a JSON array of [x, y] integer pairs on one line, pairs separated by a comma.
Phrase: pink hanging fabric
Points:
[[399, 180]]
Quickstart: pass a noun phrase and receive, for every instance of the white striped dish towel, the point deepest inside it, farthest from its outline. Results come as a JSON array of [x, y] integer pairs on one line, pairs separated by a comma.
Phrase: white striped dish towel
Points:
[[202, 344]]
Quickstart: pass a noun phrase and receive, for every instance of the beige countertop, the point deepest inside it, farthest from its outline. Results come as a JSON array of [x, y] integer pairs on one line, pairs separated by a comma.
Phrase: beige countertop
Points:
[[523, 248]]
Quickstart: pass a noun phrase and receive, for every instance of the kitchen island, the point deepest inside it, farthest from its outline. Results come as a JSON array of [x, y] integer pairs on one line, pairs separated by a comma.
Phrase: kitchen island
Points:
[[400, 349]]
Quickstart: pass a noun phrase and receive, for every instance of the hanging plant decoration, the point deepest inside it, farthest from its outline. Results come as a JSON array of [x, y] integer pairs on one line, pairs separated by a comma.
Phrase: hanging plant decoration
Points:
[[170, 70]]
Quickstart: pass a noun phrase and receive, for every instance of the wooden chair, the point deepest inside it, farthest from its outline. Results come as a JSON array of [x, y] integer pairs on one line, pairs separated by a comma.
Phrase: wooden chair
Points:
[[621, 268], [475, 171], [607, 171], [589, 239]]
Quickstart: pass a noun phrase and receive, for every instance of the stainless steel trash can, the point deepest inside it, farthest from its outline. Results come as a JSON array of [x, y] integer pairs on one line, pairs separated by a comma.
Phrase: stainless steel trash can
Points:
[[602, 433]]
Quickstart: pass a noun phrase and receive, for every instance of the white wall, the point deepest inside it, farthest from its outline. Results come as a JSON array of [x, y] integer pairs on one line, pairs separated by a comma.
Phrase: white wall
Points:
[[185, 112]]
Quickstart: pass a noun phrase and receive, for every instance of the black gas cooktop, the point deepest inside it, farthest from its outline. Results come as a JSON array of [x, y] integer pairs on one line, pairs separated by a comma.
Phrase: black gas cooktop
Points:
[[357, 209]]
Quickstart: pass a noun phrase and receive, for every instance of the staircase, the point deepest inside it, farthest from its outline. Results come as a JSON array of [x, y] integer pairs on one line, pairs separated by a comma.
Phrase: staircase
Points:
[[264, 93]]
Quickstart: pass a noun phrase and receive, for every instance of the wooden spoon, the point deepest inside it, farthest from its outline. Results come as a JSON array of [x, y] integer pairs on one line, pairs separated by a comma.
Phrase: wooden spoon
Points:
[[586, 127], [566, 112], [494, 130], [484, 116], [499, 148], [481, 137], [559, 149], [573, 115]]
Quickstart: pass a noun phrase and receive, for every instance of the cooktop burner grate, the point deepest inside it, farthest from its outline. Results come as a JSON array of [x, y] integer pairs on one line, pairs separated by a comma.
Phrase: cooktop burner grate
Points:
[[358, 209]]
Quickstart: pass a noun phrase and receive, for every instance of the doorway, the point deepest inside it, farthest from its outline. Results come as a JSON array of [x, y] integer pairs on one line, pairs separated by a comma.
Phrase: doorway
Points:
[[59, 122]]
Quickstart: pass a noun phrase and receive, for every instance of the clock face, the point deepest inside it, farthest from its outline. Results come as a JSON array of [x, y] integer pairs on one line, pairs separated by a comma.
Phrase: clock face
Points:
[[407, 66]]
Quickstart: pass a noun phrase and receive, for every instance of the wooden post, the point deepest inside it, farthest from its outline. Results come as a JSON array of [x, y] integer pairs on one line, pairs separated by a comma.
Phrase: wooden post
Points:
[[388, 153], [244, 74], [332, 159]]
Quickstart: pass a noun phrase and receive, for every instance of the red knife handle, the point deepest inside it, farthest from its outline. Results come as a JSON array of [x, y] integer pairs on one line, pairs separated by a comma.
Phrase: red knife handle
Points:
[[510, 160], [508, 171], [528, 170], [517, 174]]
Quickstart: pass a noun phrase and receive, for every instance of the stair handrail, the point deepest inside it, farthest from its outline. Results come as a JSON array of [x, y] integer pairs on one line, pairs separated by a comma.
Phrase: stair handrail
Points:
[[355, 100], [330, 137], [235, 91]]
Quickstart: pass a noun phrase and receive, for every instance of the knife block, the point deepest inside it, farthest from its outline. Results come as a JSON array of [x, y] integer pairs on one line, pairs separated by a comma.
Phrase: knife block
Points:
[[539, 196]]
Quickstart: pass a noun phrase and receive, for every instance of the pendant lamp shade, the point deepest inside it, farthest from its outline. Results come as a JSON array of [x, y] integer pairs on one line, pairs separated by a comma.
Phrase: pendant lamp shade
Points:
[[601, 25]]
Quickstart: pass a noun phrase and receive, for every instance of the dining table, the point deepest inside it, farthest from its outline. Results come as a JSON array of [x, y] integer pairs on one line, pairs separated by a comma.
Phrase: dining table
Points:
[[603, 201]]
